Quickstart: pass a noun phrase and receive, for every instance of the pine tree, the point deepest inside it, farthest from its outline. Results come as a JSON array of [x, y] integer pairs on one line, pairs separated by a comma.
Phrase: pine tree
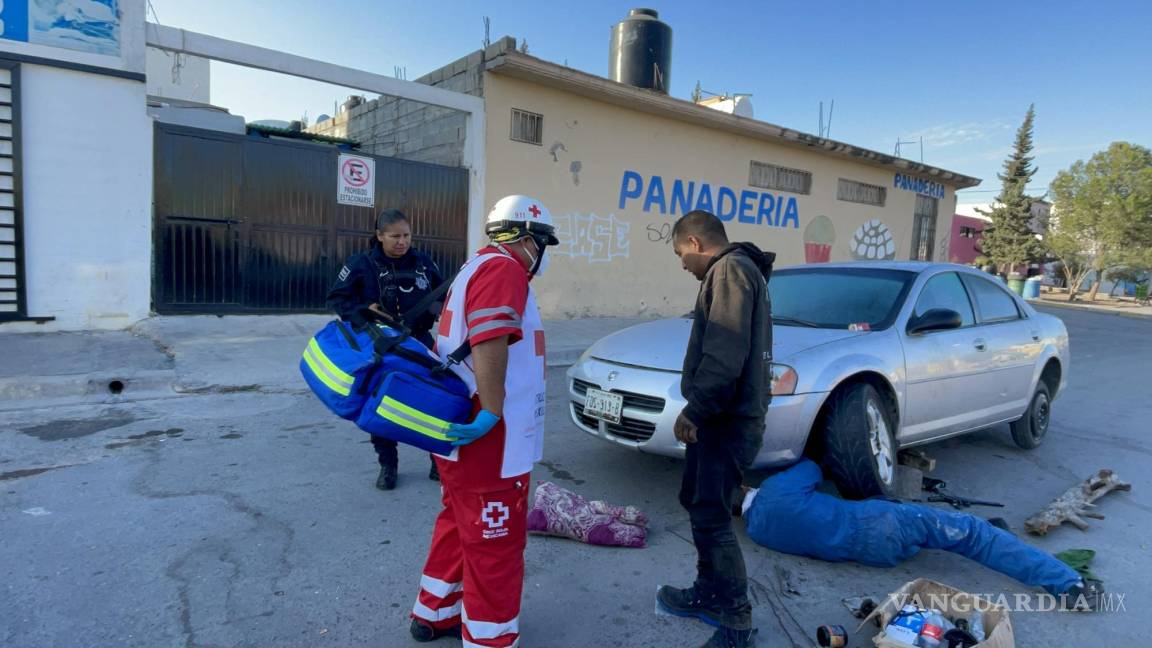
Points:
[[1009, 240], [697, 94]]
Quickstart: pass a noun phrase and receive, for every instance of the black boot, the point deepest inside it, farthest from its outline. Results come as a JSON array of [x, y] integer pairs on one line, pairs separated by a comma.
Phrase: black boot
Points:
[[433, 472], [729, 638], [691, 603], [423, 633], [387, 478]]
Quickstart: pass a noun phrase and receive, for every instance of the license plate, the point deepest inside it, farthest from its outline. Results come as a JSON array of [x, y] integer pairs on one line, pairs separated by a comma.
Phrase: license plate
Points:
[[603, 405]]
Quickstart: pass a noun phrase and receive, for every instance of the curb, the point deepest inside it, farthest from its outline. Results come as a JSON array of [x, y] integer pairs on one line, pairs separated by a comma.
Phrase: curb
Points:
[[563, 357], [1088, 309], [22, 392], [15, 393]]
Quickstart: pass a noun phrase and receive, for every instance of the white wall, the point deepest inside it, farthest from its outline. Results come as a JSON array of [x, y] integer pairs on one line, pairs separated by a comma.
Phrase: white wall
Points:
[[190, 82], [87, 170]]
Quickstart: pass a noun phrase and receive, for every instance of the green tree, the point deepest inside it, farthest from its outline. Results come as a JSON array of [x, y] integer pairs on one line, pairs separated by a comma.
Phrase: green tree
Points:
[[1009, 239], [697, 93], [1102, 217]]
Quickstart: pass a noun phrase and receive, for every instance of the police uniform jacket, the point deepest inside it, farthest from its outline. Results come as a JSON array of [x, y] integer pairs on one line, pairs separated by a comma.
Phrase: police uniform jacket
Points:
[[396, 284]]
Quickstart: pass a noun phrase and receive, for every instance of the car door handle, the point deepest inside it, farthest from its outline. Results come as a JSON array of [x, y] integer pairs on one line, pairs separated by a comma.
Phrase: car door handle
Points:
[[980, 344], [1035, 336]]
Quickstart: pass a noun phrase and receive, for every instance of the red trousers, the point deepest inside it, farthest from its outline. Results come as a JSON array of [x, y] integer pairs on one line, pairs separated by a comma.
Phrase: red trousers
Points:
[[475, 570]]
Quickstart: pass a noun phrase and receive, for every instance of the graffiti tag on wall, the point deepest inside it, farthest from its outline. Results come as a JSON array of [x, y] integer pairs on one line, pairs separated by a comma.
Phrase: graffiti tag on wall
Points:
[[596, 239]]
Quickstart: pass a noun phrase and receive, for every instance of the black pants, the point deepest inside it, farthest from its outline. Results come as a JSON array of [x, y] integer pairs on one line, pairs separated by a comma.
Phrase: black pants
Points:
[[713, 472], [385, 451]]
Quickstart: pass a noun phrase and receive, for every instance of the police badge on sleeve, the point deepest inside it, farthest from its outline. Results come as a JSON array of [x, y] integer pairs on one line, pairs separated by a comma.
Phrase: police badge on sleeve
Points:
[[344, 272]]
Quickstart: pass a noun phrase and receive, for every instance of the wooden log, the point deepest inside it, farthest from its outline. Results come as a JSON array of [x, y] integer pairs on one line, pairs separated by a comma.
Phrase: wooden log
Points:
[[917, 459], [1076, 504]]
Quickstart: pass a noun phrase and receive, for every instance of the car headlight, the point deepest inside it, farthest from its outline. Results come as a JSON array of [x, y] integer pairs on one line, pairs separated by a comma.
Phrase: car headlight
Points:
[[783, 380]]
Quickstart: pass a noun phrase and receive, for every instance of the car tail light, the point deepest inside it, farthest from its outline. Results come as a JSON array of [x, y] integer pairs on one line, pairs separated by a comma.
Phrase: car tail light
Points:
[[783, 380]]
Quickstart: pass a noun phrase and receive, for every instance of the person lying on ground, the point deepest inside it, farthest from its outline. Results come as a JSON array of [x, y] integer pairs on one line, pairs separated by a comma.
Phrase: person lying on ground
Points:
[[787, 514]]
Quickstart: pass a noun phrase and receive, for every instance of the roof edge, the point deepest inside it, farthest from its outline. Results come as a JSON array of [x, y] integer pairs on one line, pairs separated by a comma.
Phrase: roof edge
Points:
[[522, 66]]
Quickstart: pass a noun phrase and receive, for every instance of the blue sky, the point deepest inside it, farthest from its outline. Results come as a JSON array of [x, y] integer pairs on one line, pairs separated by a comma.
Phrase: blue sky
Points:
[[961, 75]]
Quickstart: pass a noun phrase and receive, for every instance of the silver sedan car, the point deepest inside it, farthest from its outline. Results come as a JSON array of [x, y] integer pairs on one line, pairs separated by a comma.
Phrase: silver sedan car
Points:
[[868, 358]]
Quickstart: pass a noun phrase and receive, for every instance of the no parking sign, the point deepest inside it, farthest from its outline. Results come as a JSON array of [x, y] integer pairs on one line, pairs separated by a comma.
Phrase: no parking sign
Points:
[[356, 181]]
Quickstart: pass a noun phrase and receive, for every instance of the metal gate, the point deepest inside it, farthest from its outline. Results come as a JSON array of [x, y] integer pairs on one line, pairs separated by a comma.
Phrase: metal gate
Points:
[[251, 225]]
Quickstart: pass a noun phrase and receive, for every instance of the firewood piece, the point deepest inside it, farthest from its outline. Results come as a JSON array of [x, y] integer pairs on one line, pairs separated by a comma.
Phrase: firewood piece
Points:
[[1076, 504], [917, 459]]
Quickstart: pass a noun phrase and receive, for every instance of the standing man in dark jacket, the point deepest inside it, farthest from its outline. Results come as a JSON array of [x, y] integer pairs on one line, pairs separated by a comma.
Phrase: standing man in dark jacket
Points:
[[726, 381], [383, 284]]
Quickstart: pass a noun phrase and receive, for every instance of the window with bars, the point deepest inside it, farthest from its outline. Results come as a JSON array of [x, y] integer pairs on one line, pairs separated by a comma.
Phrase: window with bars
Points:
[[770, 176], [859, 192], [924, 229], [527, 127], [12, 294], [968, 232]]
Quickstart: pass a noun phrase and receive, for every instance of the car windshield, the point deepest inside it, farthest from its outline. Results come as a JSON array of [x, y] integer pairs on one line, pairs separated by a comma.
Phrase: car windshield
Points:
[[837, 298]]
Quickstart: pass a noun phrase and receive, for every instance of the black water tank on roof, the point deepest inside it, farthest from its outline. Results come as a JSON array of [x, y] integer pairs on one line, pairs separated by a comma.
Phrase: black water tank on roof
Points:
[[641, 51]]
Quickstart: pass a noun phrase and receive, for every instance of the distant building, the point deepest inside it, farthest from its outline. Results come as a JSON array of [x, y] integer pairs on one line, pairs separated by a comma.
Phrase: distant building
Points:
[[964, 246], [968, 226]]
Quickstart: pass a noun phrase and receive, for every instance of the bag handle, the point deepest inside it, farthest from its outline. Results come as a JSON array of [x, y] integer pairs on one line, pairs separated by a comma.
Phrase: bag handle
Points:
[[383, 345]]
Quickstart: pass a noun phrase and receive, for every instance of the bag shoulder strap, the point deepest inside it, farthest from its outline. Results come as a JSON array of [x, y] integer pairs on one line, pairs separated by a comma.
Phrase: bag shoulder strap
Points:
[[416, 312]]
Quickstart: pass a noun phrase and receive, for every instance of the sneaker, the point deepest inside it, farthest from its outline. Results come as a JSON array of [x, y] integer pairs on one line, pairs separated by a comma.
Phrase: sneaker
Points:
[[689, 603], [423, 632], [729, 638], [1082, 597], [387, 478]]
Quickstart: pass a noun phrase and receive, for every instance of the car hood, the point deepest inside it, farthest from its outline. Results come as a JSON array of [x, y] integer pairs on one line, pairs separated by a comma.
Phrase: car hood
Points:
[[661, 344]]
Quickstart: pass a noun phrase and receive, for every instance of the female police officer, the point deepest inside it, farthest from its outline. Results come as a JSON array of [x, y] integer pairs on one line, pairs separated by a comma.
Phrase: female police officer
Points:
[[382, 283]]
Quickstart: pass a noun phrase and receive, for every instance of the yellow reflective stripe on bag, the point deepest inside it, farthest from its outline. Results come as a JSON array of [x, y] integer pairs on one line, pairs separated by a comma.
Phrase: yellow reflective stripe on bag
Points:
[[320, 368], [414, 420], [333, 369]]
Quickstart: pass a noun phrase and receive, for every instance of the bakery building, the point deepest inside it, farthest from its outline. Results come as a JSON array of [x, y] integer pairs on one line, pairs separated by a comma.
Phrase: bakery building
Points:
[[617, 161]]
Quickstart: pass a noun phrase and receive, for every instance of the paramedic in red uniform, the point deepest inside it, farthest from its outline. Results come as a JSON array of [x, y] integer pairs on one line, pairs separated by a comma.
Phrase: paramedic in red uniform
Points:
[[474, 575]]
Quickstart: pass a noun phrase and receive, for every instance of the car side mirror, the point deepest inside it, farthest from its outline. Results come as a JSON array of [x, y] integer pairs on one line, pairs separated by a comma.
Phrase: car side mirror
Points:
[[936, 319]]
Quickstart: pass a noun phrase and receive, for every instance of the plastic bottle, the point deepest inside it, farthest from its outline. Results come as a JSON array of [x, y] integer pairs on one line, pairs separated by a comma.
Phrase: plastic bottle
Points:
[[976, 624]]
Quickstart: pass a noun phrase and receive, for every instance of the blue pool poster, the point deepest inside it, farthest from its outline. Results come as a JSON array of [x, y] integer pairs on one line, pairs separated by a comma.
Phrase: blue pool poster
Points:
[[91, 26]]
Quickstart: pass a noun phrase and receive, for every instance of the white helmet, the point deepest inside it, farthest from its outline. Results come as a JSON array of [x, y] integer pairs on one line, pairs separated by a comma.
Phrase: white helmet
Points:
[[514, 217]]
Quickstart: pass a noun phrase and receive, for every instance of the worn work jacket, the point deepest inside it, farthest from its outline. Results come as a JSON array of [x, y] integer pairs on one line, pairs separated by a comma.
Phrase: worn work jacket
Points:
[[726, 371]]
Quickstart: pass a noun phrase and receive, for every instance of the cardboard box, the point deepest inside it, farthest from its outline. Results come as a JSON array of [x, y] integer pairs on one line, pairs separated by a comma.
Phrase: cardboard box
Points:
[[950, 601]]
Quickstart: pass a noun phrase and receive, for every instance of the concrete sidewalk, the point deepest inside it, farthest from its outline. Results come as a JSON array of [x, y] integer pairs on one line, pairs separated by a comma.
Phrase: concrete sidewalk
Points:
[[1103, 304], [170, 356]]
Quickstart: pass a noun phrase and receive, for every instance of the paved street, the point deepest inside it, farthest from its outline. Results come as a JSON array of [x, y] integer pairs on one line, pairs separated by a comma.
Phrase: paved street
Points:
[[249, 519]]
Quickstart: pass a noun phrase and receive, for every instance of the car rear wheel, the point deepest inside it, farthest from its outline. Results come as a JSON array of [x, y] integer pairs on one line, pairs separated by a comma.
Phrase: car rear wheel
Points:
[[859, 441], [1030, 430]]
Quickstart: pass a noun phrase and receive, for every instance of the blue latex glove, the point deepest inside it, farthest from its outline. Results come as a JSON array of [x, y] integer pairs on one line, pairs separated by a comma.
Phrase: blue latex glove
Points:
[[465, 433]]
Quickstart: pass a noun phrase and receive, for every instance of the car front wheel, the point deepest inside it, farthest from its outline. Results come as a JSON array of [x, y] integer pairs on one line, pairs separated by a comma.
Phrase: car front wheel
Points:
[[1030, 430], [859, 441]]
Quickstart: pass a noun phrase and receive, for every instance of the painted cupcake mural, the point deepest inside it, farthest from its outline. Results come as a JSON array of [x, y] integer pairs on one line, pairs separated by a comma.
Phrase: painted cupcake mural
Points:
[[819, 237]]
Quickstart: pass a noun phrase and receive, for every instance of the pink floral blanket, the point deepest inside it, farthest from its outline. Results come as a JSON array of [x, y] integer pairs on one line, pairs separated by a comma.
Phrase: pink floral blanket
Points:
[[560, 512]]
